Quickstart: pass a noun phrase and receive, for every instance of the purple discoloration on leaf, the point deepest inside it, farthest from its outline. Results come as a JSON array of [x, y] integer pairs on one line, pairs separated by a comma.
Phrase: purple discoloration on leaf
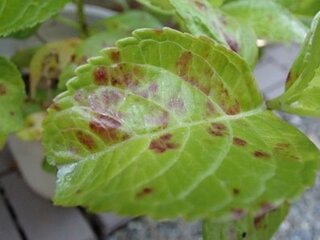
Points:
[[162, 144], [160, 120], [100, 76], [86, 140], [3, 90], [176, 104], [261, 154], [237, 213], [153, 87], [107, 128], [144, 192], [218, 129], [239, 142], [234, 46]]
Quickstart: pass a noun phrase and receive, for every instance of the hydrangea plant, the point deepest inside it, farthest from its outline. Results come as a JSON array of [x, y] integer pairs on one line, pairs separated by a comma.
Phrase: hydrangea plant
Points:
[[168, 122]]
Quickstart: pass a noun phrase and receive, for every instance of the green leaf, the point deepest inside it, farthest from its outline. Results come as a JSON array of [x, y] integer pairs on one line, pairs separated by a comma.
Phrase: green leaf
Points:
[[305, 7], [270, 20], [161, 6], [303, 81], [16, 15], [25, 33], [127, 22], [200, 18], [140, 131], [32, 127], [12, 95], [259, 227]]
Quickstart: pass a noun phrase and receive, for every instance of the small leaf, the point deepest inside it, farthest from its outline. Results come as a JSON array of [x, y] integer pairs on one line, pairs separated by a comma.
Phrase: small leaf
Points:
[[179, 134], [20, 14], [161, 6], [200, 18], [259, 227], [22, 57], [12, 95], [48, 62], [270, 20], [303, 81], [32, 127]]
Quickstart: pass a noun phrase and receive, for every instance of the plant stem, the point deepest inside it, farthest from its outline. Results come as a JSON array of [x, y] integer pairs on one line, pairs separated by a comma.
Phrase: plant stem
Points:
[[82, 18]]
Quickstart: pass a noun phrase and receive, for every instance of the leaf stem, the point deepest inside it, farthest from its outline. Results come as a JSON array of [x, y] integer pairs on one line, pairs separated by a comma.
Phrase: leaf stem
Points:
[[82, 18]]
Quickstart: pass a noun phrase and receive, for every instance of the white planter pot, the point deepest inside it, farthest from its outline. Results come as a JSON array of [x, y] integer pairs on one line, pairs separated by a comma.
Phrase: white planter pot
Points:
[[29, 157]]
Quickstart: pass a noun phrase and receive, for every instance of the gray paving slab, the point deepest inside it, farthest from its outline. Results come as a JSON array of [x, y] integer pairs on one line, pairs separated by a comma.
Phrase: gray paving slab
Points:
[[8, 229], [39, 219], [6, 160]]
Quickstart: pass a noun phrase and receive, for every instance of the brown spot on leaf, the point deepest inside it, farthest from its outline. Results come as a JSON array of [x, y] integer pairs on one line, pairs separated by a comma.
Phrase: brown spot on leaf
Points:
[[200, 5], [234, 46], [261, 154], [258, 221], [73, 58], [289, 79], [86, 140], [107, 128], [239, 142], [55, 107], [144, 192], [234, 109], [162, 144], [218, 129], [210, 110], [183, 63], [115, 56], [100, 76], [3, 90], [235, 191], [282, 146]]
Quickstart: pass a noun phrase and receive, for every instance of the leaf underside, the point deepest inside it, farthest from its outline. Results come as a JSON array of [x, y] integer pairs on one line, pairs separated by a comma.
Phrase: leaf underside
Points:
[[16, 15], [168, 124], [12, 95], [303, 81]]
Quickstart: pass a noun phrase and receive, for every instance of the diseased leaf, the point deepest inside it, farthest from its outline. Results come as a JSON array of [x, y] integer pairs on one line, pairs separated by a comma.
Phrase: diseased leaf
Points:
[[16, 15], [303, 81], [200, 18], [32, 127], [12, 95], [270, 20], [140, 131], [161, 6], [259, 227], [48, 62]]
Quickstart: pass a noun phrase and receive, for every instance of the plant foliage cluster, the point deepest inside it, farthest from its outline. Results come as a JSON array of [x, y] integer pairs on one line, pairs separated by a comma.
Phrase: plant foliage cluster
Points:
[[168, 121]]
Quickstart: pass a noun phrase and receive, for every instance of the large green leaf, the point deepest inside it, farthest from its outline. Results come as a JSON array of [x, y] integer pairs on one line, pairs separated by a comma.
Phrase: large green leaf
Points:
[[303, 82], [20, 14], [12, 95], [200, 18], [270, 20], [168, 124]]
